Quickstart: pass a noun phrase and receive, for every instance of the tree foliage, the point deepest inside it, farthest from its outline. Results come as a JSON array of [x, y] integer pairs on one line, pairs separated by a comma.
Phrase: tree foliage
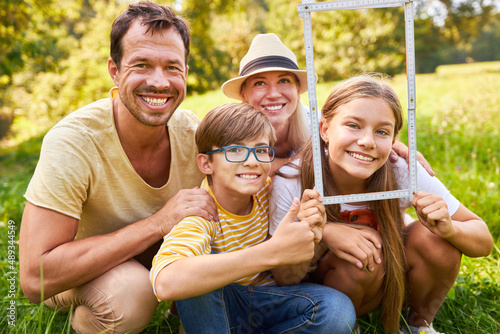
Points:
[[53, 54]]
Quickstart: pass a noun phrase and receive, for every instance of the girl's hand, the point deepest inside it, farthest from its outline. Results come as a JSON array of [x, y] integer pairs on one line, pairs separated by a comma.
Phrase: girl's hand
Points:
[[433, 213], [357, 244], [312, 211]]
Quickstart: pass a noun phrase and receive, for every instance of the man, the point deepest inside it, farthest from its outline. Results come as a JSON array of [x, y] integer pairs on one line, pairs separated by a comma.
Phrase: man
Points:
[[109, 183]]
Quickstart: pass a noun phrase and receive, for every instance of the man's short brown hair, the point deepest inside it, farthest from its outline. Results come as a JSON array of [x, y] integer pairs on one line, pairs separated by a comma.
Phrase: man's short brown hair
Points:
[[156, 17]]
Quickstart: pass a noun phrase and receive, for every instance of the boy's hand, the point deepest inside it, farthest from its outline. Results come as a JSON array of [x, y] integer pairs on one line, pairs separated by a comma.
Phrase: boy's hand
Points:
[[312, 211], [433, 213], [293, 241]]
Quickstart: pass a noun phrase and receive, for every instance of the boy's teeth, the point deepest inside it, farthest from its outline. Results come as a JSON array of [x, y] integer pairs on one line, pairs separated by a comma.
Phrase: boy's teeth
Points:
[[154, 102], [273, 108], [360, 157], [249, 177]]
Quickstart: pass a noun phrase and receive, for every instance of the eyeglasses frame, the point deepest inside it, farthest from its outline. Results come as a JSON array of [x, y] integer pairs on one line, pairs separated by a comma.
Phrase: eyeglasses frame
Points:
[[249, 150]]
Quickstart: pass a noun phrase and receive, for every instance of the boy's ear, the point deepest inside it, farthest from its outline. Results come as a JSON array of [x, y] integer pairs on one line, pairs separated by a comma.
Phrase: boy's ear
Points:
[[204, 164]]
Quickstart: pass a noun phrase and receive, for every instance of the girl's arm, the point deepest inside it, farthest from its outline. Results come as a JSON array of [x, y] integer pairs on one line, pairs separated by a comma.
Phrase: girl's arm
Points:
[[464, 229], [357, 244]]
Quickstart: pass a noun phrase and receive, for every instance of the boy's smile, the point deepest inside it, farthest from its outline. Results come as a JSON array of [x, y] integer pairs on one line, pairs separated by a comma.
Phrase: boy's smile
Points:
[[234, 183]]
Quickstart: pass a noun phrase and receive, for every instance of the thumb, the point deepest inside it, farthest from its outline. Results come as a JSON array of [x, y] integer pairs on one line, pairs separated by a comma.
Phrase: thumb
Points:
[[293, 211]]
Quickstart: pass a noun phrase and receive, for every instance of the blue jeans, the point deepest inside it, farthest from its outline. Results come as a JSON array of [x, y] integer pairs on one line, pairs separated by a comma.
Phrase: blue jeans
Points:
[[301, 308]]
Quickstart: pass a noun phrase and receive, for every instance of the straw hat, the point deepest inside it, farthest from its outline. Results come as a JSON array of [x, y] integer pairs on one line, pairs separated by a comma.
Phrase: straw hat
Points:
[[267, 53]]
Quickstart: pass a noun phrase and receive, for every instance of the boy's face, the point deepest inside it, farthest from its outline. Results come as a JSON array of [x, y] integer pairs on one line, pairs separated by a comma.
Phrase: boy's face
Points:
[[233, 183]]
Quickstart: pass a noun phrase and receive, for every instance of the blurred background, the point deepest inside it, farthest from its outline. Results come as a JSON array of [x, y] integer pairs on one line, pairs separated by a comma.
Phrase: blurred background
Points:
[[53, 54]]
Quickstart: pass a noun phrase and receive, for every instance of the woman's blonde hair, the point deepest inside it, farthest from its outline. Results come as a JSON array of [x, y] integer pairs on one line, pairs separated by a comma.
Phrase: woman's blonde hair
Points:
[[388, 212]]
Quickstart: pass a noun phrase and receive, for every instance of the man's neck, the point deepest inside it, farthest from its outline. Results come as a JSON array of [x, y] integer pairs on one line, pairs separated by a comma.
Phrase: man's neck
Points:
[[147, 147]]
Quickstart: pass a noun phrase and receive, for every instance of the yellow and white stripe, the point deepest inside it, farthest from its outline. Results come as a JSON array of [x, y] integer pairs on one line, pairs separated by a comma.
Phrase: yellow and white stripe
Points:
[[194, 236]]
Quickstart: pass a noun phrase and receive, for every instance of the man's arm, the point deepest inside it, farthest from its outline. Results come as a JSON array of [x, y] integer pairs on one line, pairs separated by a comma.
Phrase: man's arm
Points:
[[47, 242]]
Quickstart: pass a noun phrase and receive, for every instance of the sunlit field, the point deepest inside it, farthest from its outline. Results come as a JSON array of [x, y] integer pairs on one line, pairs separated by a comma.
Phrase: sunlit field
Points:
[[458, 131]]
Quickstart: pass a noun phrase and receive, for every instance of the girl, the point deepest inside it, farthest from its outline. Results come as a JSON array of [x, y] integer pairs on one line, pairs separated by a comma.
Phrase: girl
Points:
[[370, 254]]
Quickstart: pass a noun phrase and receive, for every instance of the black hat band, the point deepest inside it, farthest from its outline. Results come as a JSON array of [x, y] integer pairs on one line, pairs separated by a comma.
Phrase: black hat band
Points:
[[268, 61]]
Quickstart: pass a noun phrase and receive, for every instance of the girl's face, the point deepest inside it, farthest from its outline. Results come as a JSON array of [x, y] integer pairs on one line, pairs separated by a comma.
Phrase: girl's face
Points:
[[276, 93], [359, 137]]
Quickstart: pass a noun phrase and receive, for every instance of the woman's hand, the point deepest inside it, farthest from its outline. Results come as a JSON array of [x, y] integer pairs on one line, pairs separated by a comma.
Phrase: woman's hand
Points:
[[401, 150]]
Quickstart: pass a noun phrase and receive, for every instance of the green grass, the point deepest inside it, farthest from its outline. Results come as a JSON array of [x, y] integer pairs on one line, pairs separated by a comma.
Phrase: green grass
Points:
[[458, 117]]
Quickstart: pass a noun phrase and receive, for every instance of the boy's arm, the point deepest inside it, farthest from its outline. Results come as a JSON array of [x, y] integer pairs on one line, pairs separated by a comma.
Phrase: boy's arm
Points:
[[292, 243], [464, 229]]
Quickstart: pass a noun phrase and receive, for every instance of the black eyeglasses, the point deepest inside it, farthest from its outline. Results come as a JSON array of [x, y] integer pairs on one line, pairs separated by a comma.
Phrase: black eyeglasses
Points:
[[236, 153]]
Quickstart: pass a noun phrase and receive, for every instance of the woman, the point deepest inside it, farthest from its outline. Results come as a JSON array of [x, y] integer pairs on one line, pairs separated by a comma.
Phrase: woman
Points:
[[271, 79]]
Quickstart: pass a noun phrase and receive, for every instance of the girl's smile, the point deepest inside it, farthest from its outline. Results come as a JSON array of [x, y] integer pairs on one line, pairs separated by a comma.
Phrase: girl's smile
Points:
[[360, 138]]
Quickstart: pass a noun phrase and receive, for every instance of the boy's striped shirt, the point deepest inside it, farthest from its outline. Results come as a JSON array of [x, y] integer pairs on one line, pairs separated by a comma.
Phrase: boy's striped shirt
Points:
[[194, 236]]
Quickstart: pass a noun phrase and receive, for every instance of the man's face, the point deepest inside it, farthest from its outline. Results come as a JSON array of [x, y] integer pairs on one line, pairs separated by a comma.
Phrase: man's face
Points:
[[152, 76]]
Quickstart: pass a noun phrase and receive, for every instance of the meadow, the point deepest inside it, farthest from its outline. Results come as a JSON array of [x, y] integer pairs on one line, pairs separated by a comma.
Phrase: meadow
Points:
[[458, 131]]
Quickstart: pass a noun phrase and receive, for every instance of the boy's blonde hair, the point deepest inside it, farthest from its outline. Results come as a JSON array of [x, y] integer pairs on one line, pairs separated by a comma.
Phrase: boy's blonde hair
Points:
[[232, 123]]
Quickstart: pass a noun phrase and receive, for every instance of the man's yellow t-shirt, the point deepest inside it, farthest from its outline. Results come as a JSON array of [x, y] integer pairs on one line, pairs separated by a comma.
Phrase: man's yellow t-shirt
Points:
[[84, 173]]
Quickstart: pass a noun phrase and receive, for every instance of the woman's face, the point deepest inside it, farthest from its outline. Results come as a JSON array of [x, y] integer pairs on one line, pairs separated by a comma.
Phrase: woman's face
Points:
[[276, 93], [359, 137]]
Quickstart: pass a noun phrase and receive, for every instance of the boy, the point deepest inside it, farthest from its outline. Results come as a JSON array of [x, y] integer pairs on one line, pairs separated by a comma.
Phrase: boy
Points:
[[218, 271]]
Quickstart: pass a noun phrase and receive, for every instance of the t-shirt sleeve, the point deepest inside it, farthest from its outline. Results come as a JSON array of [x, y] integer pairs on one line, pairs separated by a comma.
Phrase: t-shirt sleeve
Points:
[[283, 191], [63, 173], [425, 182], [192, 236]]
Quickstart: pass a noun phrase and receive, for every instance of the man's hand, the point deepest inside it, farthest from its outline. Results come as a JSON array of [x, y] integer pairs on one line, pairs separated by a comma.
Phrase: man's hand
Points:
[[357, 244], [187, 202], [401, 150], [433, 213]]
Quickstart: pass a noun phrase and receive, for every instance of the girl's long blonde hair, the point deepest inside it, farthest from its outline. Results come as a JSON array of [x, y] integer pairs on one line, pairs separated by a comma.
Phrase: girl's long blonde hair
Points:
[[388, 212]]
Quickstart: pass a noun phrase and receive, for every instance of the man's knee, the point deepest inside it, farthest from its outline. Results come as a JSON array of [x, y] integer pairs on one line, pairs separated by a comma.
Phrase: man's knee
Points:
[[121, 300]]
